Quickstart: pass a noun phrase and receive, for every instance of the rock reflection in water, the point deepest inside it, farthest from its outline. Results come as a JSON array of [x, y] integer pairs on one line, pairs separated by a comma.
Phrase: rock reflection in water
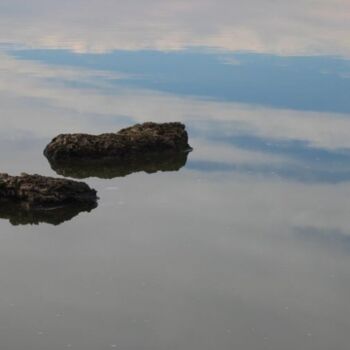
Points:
[[111, 168], [19, 214]]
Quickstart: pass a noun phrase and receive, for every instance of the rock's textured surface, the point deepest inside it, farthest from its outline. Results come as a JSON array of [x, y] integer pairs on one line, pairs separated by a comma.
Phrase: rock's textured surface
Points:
[[138, 139], [35, 191], [111, 168]]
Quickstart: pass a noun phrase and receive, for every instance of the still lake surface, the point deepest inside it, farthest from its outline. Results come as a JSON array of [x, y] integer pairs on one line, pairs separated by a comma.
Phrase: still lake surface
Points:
[[243, 244]]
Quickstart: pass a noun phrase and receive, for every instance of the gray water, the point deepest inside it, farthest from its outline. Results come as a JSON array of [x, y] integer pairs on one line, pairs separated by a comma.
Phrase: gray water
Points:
[[244, 244]]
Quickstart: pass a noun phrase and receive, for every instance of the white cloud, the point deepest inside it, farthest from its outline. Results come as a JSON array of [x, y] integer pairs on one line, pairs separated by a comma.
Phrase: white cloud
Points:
[[281, 26]]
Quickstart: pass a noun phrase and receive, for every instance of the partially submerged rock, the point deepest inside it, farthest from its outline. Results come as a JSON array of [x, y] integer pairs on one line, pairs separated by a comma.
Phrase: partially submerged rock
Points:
[[18, 213], [111, 168], [139, 139], [35, 191]]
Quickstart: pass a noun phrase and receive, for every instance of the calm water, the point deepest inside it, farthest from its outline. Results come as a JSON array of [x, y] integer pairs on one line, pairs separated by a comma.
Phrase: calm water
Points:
[[243, 244]]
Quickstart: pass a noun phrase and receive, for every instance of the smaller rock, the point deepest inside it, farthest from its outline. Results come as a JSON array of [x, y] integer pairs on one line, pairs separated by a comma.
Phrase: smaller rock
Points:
[[35, 191]]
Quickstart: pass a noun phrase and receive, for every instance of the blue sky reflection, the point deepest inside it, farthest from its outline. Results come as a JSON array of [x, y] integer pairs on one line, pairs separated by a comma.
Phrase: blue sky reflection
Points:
[[316, 83], [271, 115]]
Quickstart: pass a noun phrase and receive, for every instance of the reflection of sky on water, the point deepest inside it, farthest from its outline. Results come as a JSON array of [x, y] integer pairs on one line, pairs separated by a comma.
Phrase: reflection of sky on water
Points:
[[275, 116], [246, 246], [278, 27], [303, 83], [328, 238]]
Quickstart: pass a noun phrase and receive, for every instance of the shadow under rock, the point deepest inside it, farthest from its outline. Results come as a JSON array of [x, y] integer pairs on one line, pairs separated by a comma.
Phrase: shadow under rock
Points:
[[20, 214], [111, 168]]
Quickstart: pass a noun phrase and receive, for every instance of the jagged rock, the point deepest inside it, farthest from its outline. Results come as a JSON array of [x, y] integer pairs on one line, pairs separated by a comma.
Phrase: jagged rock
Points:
[[18, 213], [138, 139], [111, 168], [35, 191]]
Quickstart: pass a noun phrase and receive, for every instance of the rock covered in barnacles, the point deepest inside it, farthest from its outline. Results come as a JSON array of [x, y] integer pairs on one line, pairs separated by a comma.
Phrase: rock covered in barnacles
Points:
[[138, 139], [35, 191]]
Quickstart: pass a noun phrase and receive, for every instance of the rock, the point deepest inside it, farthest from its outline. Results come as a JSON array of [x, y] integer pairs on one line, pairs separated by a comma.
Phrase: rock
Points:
[[111, 168], [139, 139], [18, 213], [35, 191]]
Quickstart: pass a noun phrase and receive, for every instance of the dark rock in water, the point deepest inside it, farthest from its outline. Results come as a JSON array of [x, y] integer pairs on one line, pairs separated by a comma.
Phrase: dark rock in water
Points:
[[111, 168], [35, 191], [19, 214], [136, 140]]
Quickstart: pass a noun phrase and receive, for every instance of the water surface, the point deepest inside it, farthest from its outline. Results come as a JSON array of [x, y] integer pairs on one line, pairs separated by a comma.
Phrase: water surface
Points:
[[244, 243]]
